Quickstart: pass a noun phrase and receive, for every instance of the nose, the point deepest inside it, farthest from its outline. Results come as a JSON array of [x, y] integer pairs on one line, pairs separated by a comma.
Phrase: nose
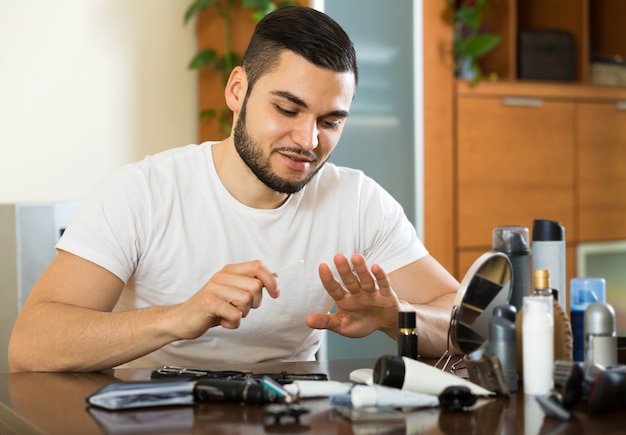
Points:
[[305, 134]]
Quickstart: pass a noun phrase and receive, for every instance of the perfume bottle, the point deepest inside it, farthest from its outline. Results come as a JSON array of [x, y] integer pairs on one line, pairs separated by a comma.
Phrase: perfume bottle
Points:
[[407, 335]]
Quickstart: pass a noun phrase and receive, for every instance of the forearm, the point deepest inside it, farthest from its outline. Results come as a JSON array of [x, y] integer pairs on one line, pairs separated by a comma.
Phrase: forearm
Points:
[[70, 338], [433, 322]]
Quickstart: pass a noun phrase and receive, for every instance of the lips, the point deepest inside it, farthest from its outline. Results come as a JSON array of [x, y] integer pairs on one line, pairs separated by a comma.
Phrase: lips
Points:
[[297, 162], [298, 158]]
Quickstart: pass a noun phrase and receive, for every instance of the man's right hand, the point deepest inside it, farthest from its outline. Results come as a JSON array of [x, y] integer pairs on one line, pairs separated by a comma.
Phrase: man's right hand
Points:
[[225, 299], [67, 322]]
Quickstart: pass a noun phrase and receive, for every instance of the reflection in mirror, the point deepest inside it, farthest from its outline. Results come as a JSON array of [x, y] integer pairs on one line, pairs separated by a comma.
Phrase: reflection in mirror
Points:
[[486, 285]]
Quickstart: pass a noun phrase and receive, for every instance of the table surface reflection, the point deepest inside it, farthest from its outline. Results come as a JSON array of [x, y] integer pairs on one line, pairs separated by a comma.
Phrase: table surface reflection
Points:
[[55, 403]]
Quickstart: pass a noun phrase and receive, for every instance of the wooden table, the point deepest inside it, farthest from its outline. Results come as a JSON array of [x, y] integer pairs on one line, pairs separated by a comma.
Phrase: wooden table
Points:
[[54, 403]]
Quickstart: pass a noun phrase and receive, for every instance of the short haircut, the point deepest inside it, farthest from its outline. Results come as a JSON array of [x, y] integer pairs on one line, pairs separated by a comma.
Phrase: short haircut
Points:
[[305, 31]]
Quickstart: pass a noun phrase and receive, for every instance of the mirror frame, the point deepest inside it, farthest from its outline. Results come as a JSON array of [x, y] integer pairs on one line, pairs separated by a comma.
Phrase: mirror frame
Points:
[[461, 298]]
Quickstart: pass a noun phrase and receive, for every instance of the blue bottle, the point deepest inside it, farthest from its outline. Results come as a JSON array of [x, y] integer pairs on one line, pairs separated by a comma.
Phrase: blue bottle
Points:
[[583, 292]]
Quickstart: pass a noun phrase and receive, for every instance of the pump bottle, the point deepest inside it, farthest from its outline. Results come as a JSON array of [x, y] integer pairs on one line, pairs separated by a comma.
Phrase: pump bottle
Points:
[[562, 328]]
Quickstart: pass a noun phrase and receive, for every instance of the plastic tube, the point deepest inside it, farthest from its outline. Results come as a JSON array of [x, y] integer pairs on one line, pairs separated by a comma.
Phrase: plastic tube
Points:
[[307, 389], [409, 374], [380, 395]]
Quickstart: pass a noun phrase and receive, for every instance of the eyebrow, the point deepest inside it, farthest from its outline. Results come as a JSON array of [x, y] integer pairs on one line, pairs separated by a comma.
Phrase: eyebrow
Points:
[[299, 102]]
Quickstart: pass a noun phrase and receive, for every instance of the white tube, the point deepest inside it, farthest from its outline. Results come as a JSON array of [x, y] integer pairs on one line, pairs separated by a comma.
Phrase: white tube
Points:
[[409, 374], [308, 389], [380, 395]]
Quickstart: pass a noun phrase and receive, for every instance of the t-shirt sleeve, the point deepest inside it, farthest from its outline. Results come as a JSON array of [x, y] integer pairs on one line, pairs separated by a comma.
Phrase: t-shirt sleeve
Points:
[[391, 239], [111, 224]]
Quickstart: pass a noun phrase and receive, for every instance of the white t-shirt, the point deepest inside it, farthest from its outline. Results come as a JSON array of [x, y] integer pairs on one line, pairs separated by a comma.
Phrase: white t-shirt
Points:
[[166, 224]]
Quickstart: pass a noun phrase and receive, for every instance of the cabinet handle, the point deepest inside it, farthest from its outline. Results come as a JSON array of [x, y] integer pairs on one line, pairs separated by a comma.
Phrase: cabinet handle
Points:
[[620, 105], [522, 101]]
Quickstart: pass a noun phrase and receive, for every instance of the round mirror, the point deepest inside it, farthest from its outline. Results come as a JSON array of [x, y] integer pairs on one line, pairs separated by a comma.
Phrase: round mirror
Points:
[[486, 285]]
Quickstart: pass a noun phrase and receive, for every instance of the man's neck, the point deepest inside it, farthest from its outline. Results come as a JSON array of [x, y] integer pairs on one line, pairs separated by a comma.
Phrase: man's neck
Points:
[[240, 181]]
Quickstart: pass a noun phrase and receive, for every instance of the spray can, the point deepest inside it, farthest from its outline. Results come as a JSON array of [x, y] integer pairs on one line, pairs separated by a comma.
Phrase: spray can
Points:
[[548, 252], [513, 241]]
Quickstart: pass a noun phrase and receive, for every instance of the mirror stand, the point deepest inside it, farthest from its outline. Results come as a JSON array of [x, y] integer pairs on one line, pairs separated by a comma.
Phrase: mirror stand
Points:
[[486, 285]]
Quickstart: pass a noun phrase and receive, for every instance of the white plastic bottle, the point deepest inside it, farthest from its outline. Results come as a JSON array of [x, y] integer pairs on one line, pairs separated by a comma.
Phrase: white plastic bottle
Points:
[[538, 344]]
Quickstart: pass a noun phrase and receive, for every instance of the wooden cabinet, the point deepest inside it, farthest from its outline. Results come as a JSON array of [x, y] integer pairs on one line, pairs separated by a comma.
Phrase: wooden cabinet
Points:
[[515, 163], [515, 160], [559, 160], [538, 151], [601, 171]]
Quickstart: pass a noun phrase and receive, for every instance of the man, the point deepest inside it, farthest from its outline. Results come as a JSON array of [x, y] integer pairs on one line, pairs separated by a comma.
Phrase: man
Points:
[[169, 260]]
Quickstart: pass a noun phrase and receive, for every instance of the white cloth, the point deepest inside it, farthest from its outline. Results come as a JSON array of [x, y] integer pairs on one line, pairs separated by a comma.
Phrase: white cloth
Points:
[[166, 224]]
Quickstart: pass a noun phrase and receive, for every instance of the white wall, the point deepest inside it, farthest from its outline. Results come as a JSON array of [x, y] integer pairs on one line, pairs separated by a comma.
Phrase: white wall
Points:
[[86, 86]]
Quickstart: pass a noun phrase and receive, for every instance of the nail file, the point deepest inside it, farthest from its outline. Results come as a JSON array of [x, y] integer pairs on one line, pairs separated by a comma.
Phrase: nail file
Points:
[[288, 268]]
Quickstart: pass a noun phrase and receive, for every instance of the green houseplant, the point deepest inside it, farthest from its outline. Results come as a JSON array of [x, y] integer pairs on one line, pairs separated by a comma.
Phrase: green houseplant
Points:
[[224, 64], [471, 42]]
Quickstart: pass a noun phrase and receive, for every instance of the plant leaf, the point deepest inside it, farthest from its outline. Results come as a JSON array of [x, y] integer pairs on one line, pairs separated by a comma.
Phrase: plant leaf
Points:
[[258, 4], [205, 114], [196, 7], [489, 42], [202, 59], [478, 45], [221, 64], [265, 7], [225, 120]]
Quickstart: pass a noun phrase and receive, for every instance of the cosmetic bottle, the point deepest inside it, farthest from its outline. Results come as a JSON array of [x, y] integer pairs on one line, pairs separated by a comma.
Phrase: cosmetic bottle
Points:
[[538, 344], [407, 336], [513, 241], [548, 252], [600, 335], [562, 328], [583, 292], [502, 344]]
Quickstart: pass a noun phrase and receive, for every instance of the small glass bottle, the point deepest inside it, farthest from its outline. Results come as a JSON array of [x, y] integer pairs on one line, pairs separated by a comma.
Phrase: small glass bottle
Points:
[[407, 336]]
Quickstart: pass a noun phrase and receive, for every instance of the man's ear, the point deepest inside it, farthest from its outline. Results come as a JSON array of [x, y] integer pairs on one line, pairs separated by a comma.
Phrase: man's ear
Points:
[[236, 88]]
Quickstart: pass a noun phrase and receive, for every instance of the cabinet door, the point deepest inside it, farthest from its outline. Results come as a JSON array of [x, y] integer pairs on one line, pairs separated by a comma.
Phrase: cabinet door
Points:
[[601, 172], [515, 163]]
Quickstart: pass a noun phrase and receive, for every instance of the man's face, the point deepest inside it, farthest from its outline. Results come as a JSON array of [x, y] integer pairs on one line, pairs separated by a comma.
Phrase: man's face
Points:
[[291, 122]]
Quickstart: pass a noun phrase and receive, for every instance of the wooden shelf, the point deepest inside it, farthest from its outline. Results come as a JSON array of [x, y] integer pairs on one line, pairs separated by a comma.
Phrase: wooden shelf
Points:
[[554, 90], [598, 28]]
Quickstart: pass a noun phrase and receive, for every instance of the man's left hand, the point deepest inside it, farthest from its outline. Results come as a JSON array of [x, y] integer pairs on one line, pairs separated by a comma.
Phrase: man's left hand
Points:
[[364, 299]]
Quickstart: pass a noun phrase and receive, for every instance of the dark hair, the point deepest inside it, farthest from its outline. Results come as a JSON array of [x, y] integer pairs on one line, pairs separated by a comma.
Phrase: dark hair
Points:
[[305, 31]]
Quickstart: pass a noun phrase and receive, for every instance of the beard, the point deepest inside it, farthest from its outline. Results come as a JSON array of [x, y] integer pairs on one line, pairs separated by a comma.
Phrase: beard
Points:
[[252, 155]]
